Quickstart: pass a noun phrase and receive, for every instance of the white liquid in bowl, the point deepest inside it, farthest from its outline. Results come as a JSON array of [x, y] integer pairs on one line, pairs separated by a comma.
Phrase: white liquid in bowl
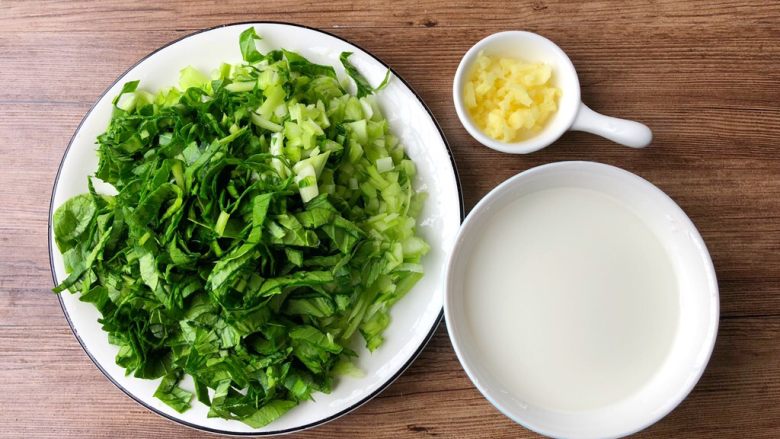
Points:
[[571, 299]]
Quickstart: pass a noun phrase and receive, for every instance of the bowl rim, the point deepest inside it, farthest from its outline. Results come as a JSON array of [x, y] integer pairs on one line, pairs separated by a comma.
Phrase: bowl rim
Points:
[[535, 143], [677, 395], [195, 426]]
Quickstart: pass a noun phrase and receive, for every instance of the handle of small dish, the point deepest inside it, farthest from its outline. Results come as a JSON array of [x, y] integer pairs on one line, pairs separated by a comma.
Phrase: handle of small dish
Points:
[[622, 131]]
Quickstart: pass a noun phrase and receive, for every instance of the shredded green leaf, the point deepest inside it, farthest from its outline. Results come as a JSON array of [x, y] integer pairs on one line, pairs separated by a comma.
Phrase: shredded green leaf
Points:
[[262, 217], [363, 87], [248, 43]]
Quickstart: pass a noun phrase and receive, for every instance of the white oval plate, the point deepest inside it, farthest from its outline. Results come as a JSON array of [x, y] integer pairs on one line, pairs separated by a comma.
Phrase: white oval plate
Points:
[[414, 318]]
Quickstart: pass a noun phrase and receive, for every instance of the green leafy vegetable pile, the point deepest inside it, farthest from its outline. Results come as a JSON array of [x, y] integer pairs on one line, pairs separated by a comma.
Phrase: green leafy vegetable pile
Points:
[[262, 216]]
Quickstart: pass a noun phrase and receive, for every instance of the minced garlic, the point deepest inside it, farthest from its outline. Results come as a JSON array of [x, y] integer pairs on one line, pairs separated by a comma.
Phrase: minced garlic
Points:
[[509, 99]]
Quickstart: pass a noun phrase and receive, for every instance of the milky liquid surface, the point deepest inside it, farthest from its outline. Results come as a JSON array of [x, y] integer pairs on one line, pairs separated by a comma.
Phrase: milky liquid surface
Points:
[[571, 299]]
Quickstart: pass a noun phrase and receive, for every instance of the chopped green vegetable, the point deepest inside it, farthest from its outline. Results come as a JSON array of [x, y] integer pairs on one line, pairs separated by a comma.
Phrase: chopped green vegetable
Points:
[[263, 216]]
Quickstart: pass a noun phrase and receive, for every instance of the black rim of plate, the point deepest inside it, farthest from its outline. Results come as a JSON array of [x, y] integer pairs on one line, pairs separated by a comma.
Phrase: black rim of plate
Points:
[[347, 410]]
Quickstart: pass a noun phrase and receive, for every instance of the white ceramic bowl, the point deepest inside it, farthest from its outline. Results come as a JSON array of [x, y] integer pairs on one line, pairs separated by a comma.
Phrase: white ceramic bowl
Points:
[[414, 318], [572, 114], [698, 303]]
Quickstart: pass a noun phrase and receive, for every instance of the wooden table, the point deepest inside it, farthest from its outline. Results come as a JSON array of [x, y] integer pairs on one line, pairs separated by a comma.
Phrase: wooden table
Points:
[[705, 76]]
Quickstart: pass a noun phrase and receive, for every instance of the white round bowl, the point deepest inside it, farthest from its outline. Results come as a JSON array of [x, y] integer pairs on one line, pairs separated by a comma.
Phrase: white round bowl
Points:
[[572, 114], [698, 303]]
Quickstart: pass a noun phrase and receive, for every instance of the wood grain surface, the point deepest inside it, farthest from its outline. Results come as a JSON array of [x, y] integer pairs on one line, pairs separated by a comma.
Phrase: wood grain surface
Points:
[[704, 75]]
